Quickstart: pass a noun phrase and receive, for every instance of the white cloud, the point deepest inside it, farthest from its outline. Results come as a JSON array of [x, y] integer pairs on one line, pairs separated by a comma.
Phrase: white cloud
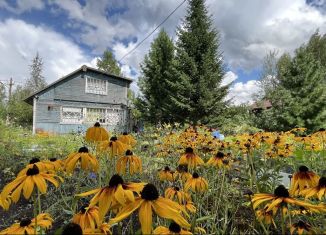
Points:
[[228, 78], [21, 41], [242, 93], [23, 5]]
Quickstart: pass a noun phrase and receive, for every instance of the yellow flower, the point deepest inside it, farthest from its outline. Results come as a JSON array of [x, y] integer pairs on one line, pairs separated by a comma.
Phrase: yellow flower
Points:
[[196, 183], [190, 159], [318, 191], [135, 164], [167, 174], [114, 147], [303, 179], [127, 139], [42, 166], [174, 193], [183, 173], [266, 217], [216, 160], [87, 160], [57, 164], [4, 203], [117, 193], [148, 202], [173, 229], [281, 198], [301, 227], [104, 229], [26, 184], [87, 218], [27, 226], [96, 133]]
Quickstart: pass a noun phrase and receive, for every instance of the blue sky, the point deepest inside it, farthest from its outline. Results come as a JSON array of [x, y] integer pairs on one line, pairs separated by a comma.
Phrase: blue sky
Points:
[[68, 34]]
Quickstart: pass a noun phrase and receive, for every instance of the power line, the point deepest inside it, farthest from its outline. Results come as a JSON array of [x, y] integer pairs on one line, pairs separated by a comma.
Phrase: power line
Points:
[[166, 18]]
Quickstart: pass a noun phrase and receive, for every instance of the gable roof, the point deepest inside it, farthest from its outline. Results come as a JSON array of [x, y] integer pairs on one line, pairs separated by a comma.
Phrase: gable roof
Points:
[[83, 68]]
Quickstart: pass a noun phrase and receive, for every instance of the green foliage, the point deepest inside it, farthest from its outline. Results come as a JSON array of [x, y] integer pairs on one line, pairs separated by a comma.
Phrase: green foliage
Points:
[[36, 81], [157, 74], [108, 63], [298, 90], [198, 96]]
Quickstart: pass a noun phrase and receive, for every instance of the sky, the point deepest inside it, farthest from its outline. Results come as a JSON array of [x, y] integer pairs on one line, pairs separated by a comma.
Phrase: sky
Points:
[[68, 34]]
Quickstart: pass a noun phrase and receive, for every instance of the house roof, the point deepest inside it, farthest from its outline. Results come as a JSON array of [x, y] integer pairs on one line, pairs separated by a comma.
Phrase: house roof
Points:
[[264, 104], [83, 68]]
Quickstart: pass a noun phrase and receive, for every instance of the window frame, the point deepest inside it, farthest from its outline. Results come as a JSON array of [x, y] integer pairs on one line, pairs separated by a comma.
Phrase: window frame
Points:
[[65, 120], [89, 79]]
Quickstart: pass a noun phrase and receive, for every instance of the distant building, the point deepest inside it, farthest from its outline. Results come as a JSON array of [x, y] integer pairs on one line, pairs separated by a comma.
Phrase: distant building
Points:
[[259, 106], [79, 99]]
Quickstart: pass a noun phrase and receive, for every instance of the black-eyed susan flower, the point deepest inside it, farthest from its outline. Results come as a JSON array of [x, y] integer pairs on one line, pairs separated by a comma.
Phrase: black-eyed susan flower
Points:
[[26, 183], [57, 164], [87, 160], [216, 160], [114, 147], [190, 159], [266, 217], [183, 173], [174, 228], [96, 133], [301, 227], [129, 161], [127, 139], [318, 191], [280, 199], [117, 193], [103, 229], [196, 183], [176, 194], [167, 174], [148, 202], [27, 226], [87, 217], [41, 165], [303, 179]]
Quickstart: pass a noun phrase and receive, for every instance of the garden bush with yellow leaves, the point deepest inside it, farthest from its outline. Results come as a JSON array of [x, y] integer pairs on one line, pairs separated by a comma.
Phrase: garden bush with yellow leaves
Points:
[[169, 180]]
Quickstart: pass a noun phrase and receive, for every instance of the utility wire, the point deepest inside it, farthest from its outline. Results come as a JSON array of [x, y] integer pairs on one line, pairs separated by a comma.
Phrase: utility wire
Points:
[[128, 53]]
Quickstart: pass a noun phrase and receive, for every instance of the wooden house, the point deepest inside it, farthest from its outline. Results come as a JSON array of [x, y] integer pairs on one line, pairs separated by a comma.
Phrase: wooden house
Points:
[[79, 99]]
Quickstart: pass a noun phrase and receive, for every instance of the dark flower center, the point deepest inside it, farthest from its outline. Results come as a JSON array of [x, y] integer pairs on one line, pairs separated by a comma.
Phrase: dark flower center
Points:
[[175, 228], [149, 192], [219, 154], [53, 159], [113, 138], [34, 160], [25, 222], [128, 152], [303, 225], [97, 124], [176, 188], [72, 228], [83, 150], [166, 168], [225, 162], [125, 133], [83, 209], [195, 175], [281, 191], [115, 181], [322, 182], [303, 169], [189, 150], [321, 129], [33, 171]]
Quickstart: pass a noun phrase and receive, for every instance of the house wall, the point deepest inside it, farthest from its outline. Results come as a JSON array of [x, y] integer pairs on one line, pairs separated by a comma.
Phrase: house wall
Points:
[[71, 93]]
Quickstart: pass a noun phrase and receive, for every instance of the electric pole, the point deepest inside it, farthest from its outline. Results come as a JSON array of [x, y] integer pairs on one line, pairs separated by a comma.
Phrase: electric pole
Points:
[[10, 89]]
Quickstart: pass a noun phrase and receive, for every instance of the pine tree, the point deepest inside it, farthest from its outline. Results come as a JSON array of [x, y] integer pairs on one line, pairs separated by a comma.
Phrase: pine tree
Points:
[[198, 96], [36, 81], [157, 73], [108, 63]]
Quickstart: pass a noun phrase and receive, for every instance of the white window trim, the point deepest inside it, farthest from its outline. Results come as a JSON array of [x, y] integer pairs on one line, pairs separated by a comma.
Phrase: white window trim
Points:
[[91, 92], [63, 121]]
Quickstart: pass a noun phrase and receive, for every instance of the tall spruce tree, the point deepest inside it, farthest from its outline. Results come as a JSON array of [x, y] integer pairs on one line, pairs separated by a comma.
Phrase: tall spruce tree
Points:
[[198, 96], [156, 75], [36, 80], [108, 63]]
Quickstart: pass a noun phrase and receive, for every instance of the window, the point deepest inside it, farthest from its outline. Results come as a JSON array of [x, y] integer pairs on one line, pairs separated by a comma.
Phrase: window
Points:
[[71, 115], [96, 86], [95, 115]]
